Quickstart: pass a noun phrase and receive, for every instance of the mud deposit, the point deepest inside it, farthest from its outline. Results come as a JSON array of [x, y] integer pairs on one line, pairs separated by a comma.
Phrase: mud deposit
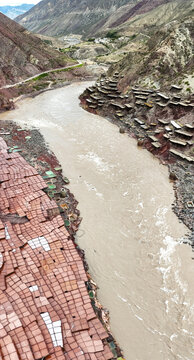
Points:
[[131, 236]]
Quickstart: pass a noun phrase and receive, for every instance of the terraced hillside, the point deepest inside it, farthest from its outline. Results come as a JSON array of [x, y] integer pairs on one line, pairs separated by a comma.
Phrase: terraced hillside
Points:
[[161, 121]]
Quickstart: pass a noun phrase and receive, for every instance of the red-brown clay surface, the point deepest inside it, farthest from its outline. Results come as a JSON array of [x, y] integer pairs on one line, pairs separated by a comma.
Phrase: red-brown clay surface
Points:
[[45, 307]]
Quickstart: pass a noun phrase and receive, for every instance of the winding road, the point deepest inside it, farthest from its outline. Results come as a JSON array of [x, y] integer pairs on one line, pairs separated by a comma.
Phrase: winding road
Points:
[[42, 73]]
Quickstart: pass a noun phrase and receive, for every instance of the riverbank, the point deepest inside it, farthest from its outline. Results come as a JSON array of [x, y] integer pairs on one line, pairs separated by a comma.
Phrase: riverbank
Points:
[[52, 79], [135, 230], [31, 145], [137, 114]]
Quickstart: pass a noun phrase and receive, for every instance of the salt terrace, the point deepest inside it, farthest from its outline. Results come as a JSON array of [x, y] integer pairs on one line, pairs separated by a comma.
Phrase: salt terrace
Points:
[[45, 309]]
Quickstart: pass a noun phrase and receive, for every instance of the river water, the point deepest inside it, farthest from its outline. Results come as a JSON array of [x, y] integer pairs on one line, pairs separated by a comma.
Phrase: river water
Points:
[[130, 235]]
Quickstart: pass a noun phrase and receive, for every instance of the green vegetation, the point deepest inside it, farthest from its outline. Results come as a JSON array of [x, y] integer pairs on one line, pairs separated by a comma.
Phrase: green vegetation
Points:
[[64, 50], [132, 37], [40, 86], [39, 77], [48, 42], [112, 34], [67, 69]]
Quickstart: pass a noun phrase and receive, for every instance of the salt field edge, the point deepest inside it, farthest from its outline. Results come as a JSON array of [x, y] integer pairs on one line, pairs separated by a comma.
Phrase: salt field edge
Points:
[[132, 239]]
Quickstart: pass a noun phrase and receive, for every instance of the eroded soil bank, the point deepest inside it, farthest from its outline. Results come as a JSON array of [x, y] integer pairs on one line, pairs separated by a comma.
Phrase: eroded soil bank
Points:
[[131, 237]]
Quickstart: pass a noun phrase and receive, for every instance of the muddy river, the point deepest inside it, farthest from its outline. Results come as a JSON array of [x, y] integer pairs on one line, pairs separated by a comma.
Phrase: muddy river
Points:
[[130, 235]]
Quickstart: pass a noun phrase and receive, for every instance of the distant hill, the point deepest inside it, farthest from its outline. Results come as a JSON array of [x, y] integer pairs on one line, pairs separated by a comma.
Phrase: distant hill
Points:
[[14, 11], [59, 17], [91, 17]]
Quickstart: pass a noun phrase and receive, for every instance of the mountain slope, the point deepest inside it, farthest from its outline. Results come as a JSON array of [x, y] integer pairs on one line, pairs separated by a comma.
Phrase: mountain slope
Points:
[[22, 54], [90, 17], [57, 17], [169, 59], [148, 13], [13, 11]]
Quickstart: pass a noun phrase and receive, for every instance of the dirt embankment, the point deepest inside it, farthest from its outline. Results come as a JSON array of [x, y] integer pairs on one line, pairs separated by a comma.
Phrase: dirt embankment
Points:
[[5, 102]]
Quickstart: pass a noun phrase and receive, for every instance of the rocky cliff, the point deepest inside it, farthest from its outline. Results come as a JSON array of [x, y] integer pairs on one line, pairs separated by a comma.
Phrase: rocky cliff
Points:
[[167, 58], [22, 54]]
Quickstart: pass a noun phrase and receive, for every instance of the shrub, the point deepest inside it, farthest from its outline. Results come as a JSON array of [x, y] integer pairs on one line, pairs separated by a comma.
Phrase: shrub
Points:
[[48, 42], [133, 36], [112, 34], [39, 77]]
